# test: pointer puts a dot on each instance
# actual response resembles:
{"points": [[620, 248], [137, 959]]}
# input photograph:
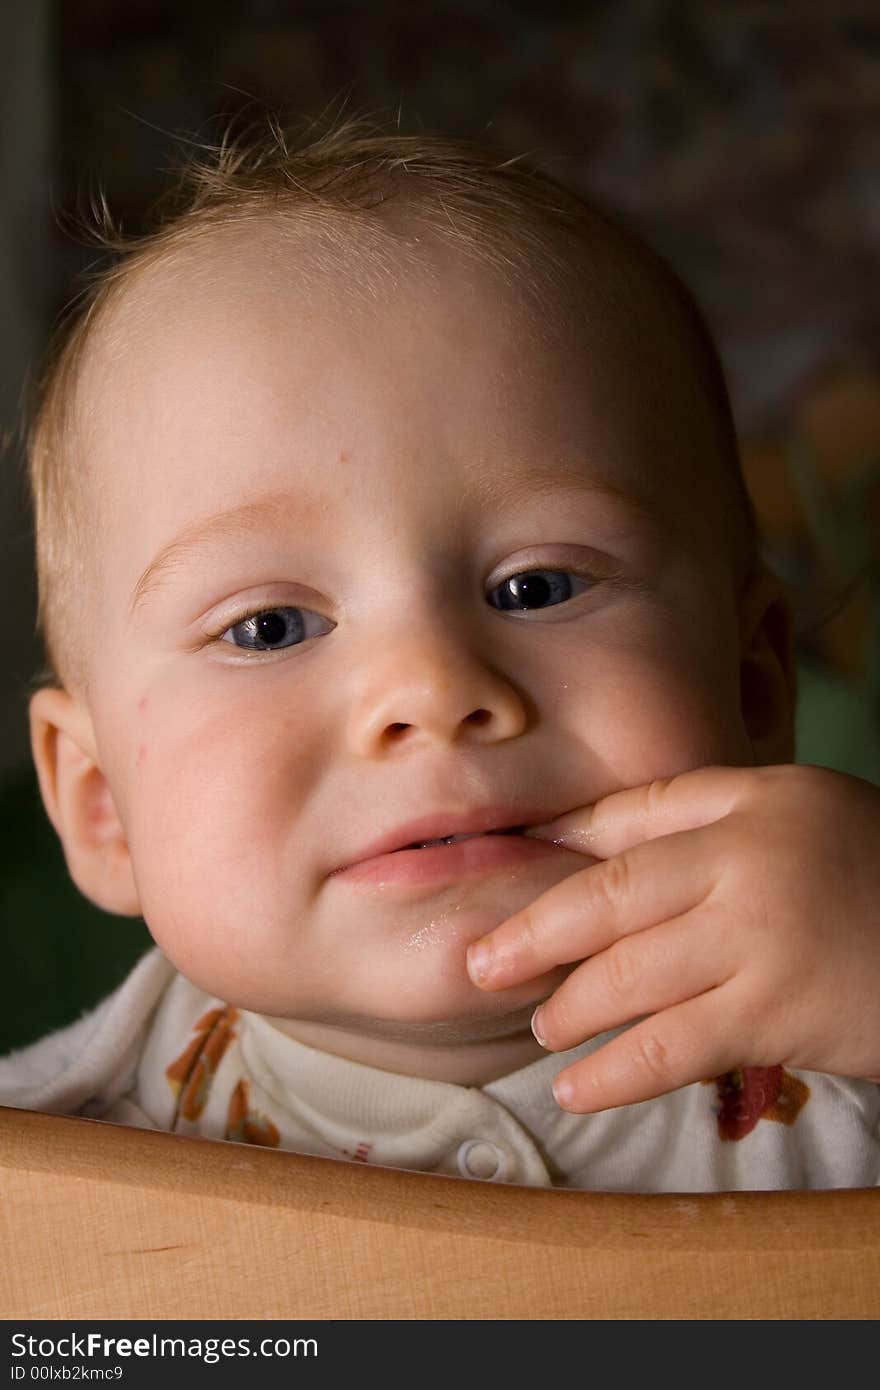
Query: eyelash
{"points": [[259, 610]]}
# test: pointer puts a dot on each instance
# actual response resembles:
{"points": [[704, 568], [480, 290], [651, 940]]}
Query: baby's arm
{"points": [[735, 914]]}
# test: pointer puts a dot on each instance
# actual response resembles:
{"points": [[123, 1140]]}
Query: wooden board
{"points": [[103, 1221]]}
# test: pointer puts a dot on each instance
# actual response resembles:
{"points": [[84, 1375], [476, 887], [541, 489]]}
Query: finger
{"points": [[587, 911], [657, 1055], [625, 818], [636, 976]]}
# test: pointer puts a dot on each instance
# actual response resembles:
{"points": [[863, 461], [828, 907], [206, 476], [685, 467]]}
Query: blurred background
{"points": [[741, 139]]}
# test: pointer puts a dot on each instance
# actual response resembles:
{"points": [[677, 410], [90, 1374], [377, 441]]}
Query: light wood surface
{"points": [[103, 1221]]}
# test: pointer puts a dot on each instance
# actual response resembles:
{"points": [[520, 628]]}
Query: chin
{"points": [[427, 1026], [456, 1002]]}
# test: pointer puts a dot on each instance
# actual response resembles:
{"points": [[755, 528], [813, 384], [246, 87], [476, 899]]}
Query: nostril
{"points": [[479, 716]]}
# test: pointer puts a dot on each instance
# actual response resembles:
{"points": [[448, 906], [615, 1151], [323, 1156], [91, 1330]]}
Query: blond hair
{"points": [[505, 212]]}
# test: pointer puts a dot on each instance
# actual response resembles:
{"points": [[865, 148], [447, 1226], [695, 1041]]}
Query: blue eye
{"points": [[272, 629], [536, 589]]}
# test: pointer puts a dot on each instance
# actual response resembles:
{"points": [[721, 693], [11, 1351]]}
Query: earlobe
{"points": [[79, 802], [768, 670]]}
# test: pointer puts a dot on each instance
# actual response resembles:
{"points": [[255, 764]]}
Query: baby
{"points": [[413, 672]]}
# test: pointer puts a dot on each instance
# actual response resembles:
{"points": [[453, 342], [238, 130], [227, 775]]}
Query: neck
{"points": [[470, 1062]]}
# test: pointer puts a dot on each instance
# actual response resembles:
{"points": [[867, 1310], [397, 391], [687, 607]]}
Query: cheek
{"points": [[241, 759], [213, 802], [654, 711]]}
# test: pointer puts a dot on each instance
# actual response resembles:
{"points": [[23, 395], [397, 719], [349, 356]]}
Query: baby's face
{"points": [[376, 478]]}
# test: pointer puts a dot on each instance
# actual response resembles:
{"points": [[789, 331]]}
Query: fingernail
{"points": [[537, 1027], [479, 959], [563, 1091]]}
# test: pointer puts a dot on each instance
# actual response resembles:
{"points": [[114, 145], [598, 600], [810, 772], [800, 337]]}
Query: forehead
{"points": [[272, 355]]}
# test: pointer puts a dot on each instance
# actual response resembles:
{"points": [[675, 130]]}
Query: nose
{"points": [[432, 686]]}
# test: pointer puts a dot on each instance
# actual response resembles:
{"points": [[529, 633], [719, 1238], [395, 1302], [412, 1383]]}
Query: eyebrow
{"points": [[559, 479], [274, 510]]}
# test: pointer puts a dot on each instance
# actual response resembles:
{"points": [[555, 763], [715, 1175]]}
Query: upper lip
{"points": [[439, 824]]}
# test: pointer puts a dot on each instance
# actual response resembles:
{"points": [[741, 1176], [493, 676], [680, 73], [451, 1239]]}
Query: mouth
{"points": [[425, 865], [457, 839], [449, 831]]}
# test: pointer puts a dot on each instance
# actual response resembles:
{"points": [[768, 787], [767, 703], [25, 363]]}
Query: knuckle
{"points": [[656, 794], [621, 971], [653, 1056], [800, 781], [806, 776], [748, 1020], [613, 881], [526, 947], [528, 933], [786, 785]]}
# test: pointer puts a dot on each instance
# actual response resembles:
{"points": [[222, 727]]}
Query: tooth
{"points": [[447, 840], [454, 839]]}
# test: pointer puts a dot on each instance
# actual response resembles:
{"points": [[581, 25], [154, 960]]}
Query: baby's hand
{"points": [[735, 913]]}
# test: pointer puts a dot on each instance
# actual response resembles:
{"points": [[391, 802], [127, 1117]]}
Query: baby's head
{"points": [[386, 492]]}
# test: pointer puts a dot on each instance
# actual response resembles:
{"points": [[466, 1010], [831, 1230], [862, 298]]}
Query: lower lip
{"points": [[465, 859]]}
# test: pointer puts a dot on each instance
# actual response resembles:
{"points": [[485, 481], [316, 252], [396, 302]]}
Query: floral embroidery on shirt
{"points": [[247, 1126], [750, 1094], [190, 1075]]}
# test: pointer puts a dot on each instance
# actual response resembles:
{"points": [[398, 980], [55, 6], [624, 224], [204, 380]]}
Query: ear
{"points": [[79, 802], [768, 669]]}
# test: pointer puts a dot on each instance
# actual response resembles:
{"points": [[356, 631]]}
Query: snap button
{"points": [[480, 1158]]}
